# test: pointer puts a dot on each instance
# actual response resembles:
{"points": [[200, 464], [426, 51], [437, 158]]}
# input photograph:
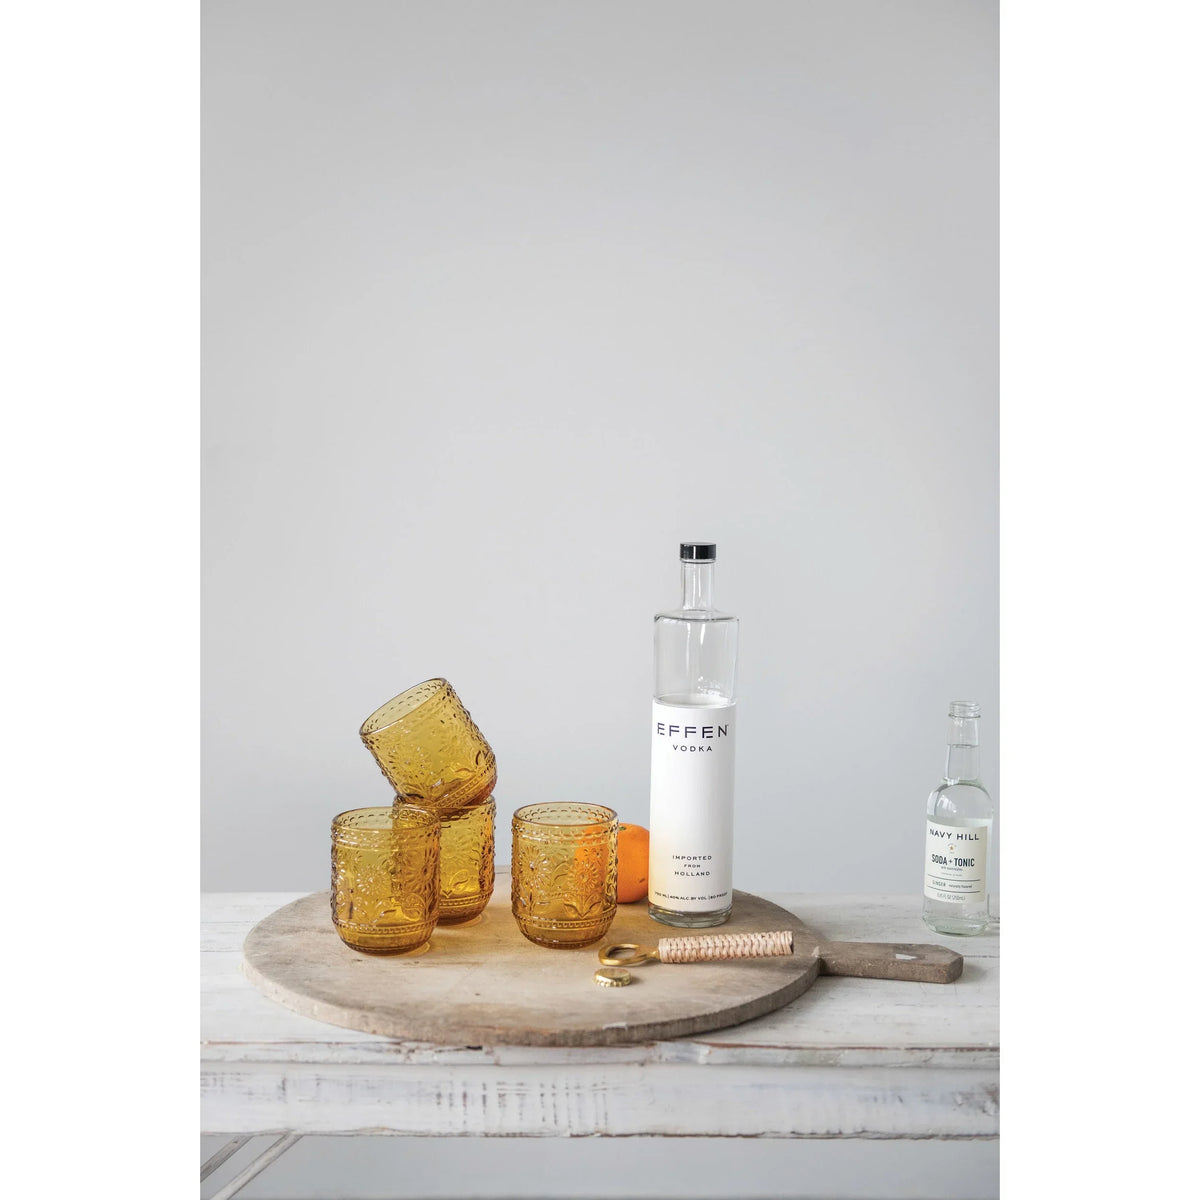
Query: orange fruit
{"points": [[633, 863]]}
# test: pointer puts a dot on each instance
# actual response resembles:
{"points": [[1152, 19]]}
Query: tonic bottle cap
{"points": [[613, 977], [698, 551]]}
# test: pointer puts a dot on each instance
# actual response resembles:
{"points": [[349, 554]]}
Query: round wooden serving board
{"points": [[485, 983]]}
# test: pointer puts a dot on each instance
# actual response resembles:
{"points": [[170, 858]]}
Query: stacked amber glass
{"points": [[438, 763], [429, 859]]}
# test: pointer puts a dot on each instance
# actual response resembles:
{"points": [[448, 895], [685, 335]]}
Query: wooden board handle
{"points": [[891, 960]]}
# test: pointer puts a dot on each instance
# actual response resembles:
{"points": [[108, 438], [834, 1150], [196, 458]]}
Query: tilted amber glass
{"points": [[468, 862], [430, 750], [385, 885], [564, 872]]}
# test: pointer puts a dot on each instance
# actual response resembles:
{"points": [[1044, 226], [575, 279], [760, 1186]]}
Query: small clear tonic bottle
{"points": [[958, 833], [692, 728]]}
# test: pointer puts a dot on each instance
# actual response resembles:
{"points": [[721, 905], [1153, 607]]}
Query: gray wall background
{"points": [[501, 302]]}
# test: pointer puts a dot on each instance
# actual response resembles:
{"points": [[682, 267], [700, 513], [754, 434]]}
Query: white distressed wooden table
{"points": [[851, 1058]]}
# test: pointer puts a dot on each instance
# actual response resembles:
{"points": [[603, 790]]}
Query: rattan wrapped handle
{"points": [[709, 947], [706, 947]]}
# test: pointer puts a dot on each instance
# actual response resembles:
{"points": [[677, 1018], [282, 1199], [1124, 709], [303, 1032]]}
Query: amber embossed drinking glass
{"points": [[430, 750], [468, 862], [564, 872], [385, 886]]}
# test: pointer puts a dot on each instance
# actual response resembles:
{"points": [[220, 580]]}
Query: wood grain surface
{"points": [[486, 983]]}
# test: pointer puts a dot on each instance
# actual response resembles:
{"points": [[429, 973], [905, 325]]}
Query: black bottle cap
{"points": [[698, 551]]}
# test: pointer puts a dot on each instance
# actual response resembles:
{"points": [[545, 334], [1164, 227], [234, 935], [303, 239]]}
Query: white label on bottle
{"points": [[691, 806], [956, 863]]}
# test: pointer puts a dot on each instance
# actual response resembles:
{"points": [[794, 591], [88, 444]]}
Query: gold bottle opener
{"points": [[707, 947]]}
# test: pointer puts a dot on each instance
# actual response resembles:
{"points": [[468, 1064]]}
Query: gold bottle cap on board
{"points": [[613, 977]]}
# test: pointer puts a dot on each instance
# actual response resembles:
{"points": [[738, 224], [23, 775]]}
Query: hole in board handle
{"points": [[906, 957]]}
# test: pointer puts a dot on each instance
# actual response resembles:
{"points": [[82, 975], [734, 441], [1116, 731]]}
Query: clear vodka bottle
{"points": [[693, 723], [958, 833]]}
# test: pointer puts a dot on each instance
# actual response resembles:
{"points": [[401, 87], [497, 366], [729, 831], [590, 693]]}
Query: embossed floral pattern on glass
{"points": [[385, 881], [564, 881], [430, 750], [468, 862]]}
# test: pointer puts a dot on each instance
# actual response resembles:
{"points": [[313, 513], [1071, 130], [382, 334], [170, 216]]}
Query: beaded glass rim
{"points": [[375, 820], [533, 816], [403, 705]]}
